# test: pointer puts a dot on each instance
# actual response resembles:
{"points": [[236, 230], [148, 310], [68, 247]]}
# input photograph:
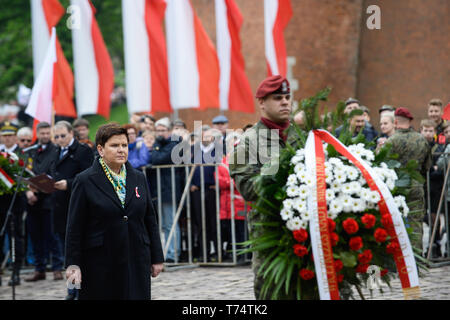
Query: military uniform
{"points": [[257, 153], [411, 145]]}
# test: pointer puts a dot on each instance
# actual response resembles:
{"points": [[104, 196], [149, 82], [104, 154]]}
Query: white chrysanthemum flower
{"points": [[365, 194], [302, 175], [328, 176], [335, 186], [293, 191], [328, 165], [362, 181], [368, 155], [347, 188], [346, 201], [357, 205], [374, 196], [383, 165], [330, 195], [304, 191], [309, 181], [335, 207], [390, 184], [286, 214], [399, 200], [336, 162], [288, 204], [332, 215], [405, 209], [299, 167], [294, 224], [340, 176], [300, 205], [292, 180], [352, 173], [300, 153], [305, 216], [355, 186], [296, 159]]}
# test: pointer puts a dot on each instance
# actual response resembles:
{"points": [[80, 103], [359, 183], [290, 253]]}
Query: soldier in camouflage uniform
{"points": [[261, 145], [411, 145]]}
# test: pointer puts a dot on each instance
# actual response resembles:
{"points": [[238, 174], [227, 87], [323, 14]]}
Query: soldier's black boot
{"points": [[15, 278]]}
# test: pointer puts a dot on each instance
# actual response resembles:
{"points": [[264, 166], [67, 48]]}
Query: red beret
{"points": [[403, 112], [273, 84]]}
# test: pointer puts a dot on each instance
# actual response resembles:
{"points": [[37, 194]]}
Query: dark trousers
{"points": [[210, 221], [39, 222], [226, 232]]}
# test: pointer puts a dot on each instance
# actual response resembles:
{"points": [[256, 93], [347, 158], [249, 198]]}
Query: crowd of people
{"points": [[64, 150]]}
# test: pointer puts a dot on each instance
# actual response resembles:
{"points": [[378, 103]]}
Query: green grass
{"points": [[118, 114]]}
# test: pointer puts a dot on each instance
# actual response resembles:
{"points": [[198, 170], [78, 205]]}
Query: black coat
{"points": [[162, 155], [42, 161], [78, 158], [113, 246]]}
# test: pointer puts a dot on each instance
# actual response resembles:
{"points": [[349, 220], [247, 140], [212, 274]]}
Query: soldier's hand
{"points": [[194, 188], [61, 185]]}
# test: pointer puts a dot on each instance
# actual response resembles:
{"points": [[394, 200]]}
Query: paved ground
{"points": [[217, 283]]}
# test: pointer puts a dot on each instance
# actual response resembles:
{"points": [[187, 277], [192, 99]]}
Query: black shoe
{"points": [[14, 280], [170, 261]]}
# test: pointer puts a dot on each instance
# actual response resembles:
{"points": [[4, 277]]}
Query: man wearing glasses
{"points": [[24, 137], [70, 158]]}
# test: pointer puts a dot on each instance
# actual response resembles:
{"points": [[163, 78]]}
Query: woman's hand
{"points": [[156, 269], [73, 275]]}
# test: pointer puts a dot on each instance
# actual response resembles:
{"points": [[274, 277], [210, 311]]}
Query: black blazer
{"points": [[113, 246], [78, 158]]}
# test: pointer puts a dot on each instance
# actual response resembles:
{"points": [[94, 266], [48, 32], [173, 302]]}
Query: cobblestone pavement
{"points": [[217, 283]]}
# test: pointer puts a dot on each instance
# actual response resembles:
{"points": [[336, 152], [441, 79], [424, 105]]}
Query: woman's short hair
{"points": [[106, 131], [130, 126]]}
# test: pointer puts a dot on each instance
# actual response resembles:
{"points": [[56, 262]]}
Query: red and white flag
{"points": [[193, 64], [42, 95], [277, 14], [94, 73], [147, 78], [234, 87], [45, 14]]}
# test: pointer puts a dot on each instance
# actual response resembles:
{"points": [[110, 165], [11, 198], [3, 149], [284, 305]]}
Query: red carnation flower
{"points": [[334, 239], [306, 274], [355, 243], [331, 225], [338, 265], [11, 161], [380, 235], [392, 247], [350, 226], [301, 235], [368, 220], [340, 278], [365, 257], [362, 268], [21, 163], [386, 220], [384, 272], [300, 250]]}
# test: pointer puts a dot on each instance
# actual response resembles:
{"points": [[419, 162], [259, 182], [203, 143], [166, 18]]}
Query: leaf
{"points": [[348, 259]]}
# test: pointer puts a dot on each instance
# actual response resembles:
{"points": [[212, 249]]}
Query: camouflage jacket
{"points": [[411, 145], [257, 153]]}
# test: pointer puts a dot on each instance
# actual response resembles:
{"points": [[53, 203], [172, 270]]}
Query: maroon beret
{"points": [[273, 84], [403, 112]]}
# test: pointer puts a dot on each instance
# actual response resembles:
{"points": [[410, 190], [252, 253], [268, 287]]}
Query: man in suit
{"points": [[69, 159], [39, 209]]}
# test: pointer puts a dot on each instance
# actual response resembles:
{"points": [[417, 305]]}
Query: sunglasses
{"points": [[60, 136], [25, 140]]}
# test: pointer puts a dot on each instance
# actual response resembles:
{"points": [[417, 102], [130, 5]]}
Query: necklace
{"points": [[117, 184]]}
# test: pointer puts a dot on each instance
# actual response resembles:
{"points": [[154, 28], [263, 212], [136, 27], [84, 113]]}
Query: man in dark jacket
{"points": [[207, 151], [39, 210], [70, 158], [162, 155]]}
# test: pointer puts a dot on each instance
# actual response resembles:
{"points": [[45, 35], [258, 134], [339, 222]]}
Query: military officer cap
{"points": [[273, 85], [350, 101], [386, 108], [8, 128], [220, 119], [403, 112]]}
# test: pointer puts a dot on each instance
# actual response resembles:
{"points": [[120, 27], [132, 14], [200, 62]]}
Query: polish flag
{"points": [[94, 73], [45, 15], [147, 77], [194, 70], [41, 99], [277, 14], [234, 87]]}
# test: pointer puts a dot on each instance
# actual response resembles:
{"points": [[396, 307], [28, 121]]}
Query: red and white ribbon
{"points": [[320, 241], [6, 179]]}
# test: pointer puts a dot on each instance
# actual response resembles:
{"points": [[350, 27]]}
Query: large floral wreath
{"points": [[11, 166], [357, 229]]}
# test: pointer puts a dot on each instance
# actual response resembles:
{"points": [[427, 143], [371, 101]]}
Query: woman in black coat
{"points": [[112, 242]]}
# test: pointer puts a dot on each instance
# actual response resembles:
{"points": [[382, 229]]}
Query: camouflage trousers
{"points": [[415, 217]]}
